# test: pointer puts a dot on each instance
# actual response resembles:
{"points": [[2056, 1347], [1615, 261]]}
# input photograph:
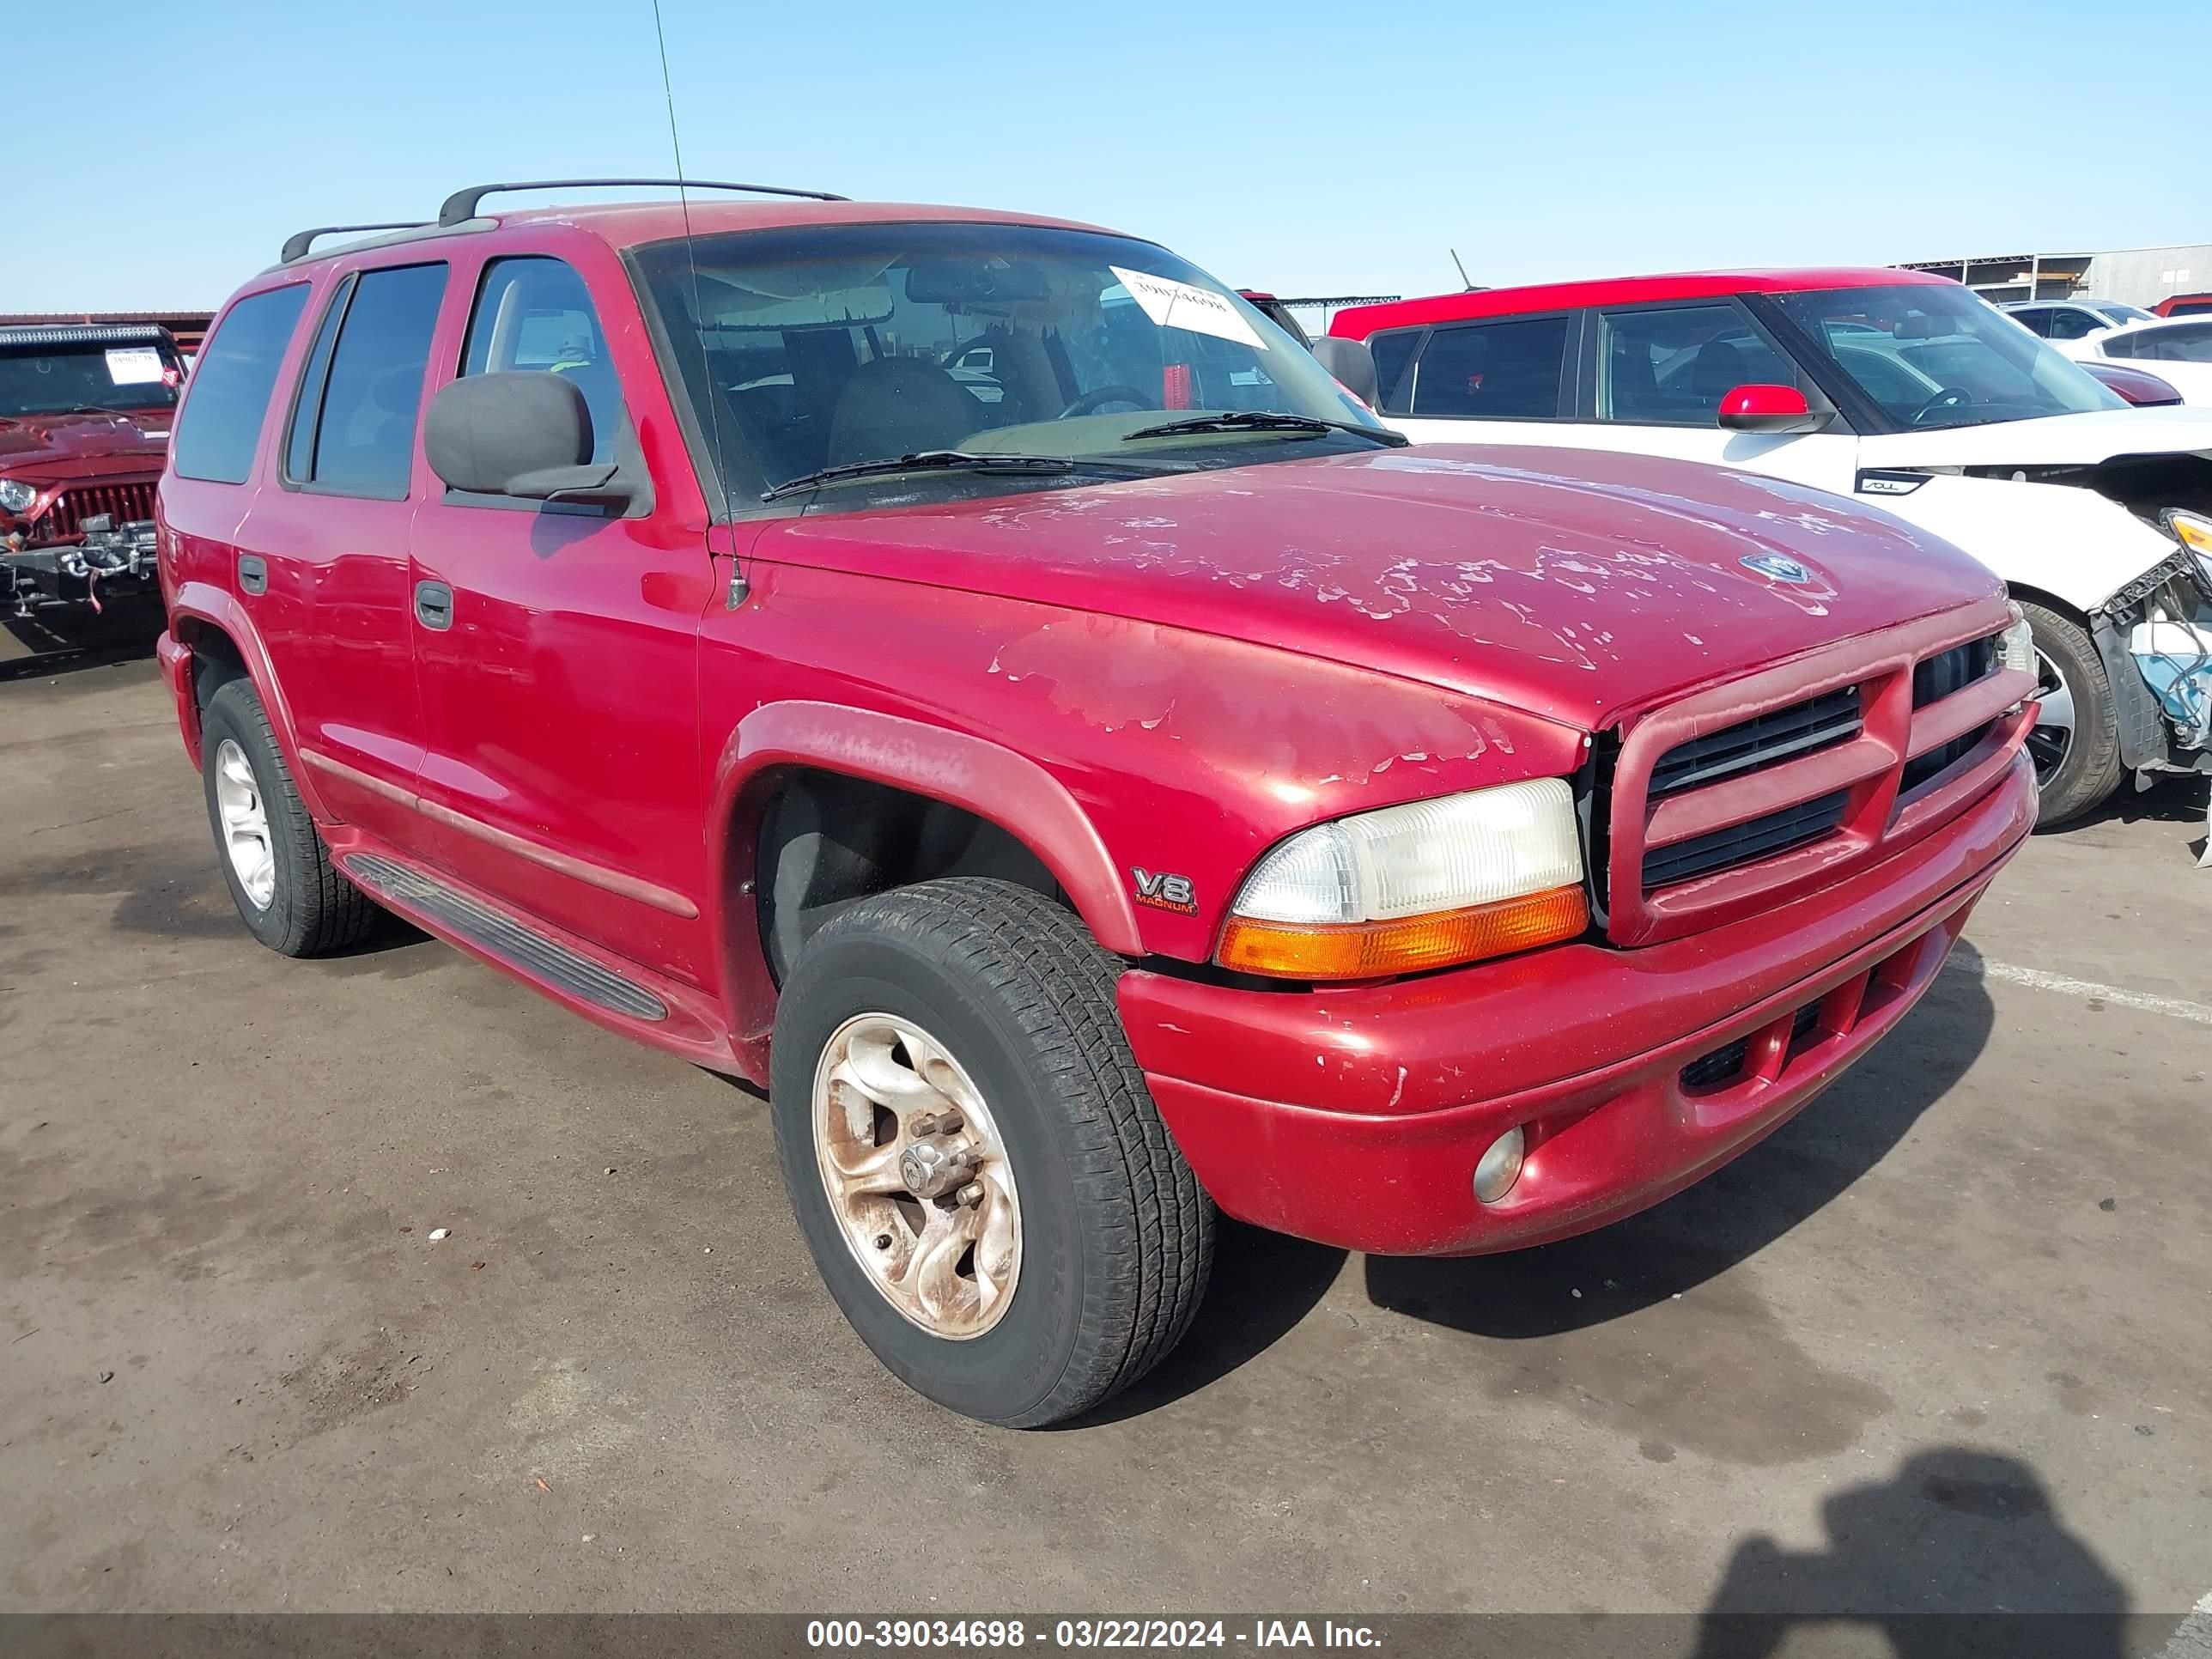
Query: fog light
{"points": [[1500, 1166]]}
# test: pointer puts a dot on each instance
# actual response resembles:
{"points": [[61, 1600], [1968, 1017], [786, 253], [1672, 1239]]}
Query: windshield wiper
{"points": [[1266, 420], [966, 460]]}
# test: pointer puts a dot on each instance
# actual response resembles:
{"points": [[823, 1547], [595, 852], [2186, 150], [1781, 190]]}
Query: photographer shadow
{"points": [[1960, 1554]]}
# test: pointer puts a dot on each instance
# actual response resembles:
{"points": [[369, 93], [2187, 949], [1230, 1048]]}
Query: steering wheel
{"points": [[1107, 394], [1950, 397]]}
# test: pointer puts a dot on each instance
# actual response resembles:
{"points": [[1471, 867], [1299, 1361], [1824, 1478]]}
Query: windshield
{"points": [[53, 379], [2117, 312], [831, 347], [1933, 355]]}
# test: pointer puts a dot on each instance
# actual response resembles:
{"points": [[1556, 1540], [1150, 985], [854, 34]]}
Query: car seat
{"points": [[894, 406]]}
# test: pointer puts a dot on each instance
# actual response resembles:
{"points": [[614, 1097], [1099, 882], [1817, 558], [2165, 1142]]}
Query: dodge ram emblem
{"points": [[1774, 565]]}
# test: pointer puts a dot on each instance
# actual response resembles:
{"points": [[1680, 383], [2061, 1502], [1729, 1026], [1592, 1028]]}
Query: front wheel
{"points": [[973, 1156], [2075, 743]]}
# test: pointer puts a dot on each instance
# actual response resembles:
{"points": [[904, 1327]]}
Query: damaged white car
{"points": [[1896, 388]]}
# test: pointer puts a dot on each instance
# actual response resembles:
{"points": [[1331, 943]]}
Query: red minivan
{"points": [[975, 676]]}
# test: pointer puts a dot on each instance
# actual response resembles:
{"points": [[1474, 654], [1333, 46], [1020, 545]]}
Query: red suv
{"points": [[975, 676]]}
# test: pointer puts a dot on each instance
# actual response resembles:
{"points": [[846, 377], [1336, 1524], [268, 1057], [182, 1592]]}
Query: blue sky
{"points": [[1309, 148]]}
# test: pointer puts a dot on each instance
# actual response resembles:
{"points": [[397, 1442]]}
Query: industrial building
{"points": [[2134, 276]]}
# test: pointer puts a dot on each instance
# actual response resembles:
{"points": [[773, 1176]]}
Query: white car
{"points": [[2071, 325], [1894, 388], [2178, 352]]}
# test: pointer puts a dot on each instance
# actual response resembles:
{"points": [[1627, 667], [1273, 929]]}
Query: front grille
{"points": [[125, 503], [1953, 670], [1941, 758], [1740, 843], [1798, 730], [1707, 808]]}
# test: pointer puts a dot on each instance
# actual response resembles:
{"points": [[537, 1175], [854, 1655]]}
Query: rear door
{"points": [[324, 564], [557, 649]]}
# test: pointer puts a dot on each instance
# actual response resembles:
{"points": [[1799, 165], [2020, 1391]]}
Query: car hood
{"points": [[47, 445], [2054, 440], [1575, 585]]}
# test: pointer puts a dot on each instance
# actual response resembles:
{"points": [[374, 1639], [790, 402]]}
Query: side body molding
{"points": [[989, 780]]}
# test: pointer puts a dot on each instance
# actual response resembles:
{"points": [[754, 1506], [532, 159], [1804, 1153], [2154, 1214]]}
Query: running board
{"points": [[530, 952]]}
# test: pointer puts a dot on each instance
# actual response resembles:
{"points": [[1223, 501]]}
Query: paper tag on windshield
{"points": [[134, 366], [1178, 305]]}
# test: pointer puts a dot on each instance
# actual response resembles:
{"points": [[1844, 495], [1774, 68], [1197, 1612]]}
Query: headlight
{"points": [[2016, 645], [16, 496], [2194, 532], [1423, 886]]}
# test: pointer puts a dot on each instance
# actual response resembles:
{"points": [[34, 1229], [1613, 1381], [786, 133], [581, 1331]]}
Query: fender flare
{"points": [[985, 778], [203, 602]]}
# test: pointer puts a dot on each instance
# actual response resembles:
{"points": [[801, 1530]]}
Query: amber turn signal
{"points": [[1375, 950]]}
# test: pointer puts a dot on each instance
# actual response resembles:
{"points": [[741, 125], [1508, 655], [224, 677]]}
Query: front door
{"points": [[1652, 385], [557, 647]]}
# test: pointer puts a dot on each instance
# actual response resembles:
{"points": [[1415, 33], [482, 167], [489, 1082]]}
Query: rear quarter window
{"points": [[219, 429], [1507, 370]]}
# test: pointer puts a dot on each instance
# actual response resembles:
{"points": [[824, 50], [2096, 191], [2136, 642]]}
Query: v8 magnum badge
{"points": [[1163, 891]]}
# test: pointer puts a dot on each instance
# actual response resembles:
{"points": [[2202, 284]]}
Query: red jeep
{"points": [[975, 676], [84, 420]]}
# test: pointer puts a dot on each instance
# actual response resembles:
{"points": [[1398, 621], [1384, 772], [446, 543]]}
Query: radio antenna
{"points": [[1453, 251], [691, 254]]}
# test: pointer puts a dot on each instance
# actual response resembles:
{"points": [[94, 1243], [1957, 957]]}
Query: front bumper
{"points": [[106, 563], [1356, 1116]]}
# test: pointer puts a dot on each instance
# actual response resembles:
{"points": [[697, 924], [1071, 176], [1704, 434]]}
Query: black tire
{"points": [[1117, 1237], [314, 910], [2090, 768]]}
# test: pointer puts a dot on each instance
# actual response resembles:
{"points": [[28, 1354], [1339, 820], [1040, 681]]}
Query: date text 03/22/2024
{"points": [[890, 1635]]}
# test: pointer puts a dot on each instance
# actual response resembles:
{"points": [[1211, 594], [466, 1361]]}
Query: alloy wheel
{"points": [[917, 1175]]}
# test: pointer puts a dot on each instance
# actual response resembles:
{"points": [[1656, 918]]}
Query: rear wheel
{"points": [[973, 1156], [289, 893], [2075, 743]]}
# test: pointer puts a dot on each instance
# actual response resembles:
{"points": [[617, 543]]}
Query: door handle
{"points": [[433, 605], [252, 574]]}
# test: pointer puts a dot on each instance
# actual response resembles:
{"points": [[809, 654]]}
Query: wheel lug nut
{"points": [[972, 1194], [925, 1124], [951, 1122]]}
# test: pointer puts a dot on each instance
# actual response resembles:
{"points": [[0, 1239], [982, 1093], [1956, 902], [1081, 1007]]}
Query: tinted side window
{"points": [[2190, 342], [536, 313], [219, 426], [2035, 322], [1671, 365], [1393, 352], [1507, 371], [372, 395], [2072, 324]]}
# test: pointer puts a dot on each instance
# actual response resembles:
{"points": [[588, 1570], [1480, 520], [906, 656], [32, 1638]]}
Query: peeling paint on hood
{"points": [[1572, 584]]}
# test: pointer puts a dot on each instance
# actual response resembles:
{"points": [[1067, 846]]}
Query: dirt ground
{"points": [[1941, 1344]]}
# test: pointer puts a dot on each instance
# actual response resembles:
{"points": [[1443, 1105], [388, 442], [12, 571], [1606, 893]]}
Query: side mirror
{"points": [[1771, 409], [1352, 365], [525, 434]]}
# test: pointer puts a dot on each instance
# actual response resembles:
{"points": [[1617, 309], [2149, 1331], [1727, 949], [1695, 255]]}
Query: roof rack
{"points": [[461, 206], [297, 244]]}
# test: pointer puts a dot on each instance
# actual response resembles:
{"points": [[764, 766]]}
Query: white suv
{"points": [[1902, 390]]}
